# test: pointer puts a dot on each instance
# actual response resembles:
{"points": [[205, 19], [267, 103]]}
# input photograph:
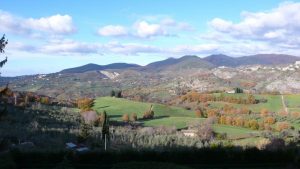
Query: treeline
{"points": [[198, 97], [244, 117], [117, 94]]}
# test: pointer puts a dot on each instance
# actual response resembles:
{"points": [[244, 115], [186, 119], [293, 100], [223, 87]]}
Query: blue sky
{"points": [[50, 35]]}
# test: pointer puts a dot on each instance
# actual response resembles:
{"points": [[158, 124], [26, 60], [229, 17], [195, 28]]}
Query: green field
{"points": [[274, 103], [234, 131], [292, 101], [116, 107], [179, 122], [164, 115]]}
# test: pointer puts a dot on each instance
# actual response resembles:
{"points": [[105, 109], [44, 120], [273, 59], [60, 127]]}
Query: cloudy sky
{"points": [[50, 35]]}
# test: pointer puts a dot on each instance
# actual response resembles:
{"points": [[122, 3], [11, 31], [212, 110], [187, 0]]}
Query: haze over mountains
{"points": [[192, 61]]}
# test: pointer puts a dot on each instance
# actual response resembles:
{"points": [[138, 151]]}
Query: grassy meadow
{"points": [[164, 115]]}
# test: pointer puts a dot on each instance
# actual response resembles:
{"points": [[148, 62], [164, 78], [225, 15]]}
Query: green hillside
{"points": [[164, 115]]}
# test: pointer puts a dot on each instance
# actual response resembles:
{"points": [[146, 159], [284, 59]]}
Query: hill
{"points": [[267, 59], [259, 59], [185, 62], [93, 67], [222, 60]]}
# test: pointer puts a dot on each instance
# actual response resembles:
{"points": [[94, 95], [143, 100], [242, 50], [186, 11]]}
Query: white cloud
{"points": [[56, 24], [112, 30], [278, 25], [146, 30], [148, 27]]}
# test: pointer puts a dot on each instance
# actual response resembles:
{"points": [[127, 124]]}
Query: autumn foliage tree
{"points": [[199, 113], [125, 117], [133, 117], [280, 126], [85, 104], [270, 120], [149, 114], [264, 112]]}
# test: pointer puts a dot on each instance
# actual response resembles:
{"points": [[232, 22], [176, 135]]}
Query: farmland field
{"points": [[116, 107], [164, 115], [274, 103], [292, 102]]}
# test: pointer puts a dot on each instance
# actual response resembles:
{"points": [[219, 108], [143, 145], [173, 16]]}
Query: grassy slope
{"points": [[293, 101], [234, 131], [165, 115], [117, 107], [274, 103]]}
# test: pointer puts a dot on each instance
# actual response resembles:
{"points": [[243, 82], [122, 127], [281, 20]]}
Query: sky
{"points": [[50, 35]]}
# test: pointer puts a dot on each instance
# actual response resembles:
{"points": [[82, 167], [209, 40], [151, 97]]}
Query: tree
{"points": [[253, 124], [270, 120], [3, 43], [112, 93], [199, 113], [149, 114], [125, 118], [105, 125], [264, 112], [119, 94], [105, 128], [280, 126], [133, 117], [251, 99], [85, 130], [85, 104], [238, 90]]}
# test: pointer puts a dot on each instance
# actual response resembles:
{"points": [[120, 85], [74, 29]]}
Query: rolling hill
{"points": [[259, 59], [185, 62], [192, 61], [95, 67]]}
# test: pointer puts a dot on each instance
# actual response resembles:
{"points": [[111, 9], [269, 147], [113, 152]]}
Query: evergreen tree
{"points": [[105, 125], [85, 130], [119, 94], [112, 93], [3, 43]]}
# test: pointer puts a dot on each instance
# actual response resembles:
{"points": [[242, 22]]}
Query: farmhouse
{"points": [[230, 91], [189, 133]]}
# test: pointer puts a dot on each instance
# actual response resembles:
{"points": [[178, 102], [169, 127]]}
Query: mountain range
{"points": [[192, 61]]}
